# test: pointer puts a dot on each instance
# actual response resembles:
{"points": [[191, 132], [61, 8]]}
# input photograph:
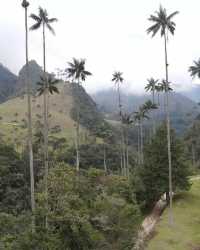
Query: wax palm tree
{"points": [[118, 79], [194, 72], [43, 21], [163, 23], [127, 121], [151, 86], [139, 117], [149, 105], [76, 71], [195, 69], [25, 5], [50, 87]]}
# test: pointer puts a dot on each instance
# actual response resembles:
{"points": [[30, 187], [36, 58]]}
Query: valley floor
{"points": [[185, 233]]}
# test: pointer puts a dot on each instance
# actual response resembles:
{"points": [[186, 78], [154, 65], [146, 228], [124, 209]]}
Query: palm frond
{"points": [[35, 26], [50, 29], [52, 20], [35, 17]]}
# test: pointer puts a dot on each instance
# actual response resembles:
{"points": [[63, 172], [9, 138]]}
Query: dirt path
{"points": [[149, 224]]}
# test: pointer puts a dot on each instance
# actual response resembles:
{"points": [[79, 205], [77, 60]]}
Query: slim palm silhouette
{"points": [[77, 73], [163, 23], [118, 79], [139, 117], [25, 5]]}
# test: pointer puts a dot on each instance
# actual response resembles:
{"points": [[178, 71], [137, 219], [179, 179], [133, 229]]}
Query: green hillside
{"points": [[13, 114]]}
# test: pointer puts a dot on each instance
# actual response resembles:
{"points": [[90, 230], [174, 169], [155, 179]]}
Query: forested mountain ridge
{"points": [[182, 109], [35, 72], [8, 82]]}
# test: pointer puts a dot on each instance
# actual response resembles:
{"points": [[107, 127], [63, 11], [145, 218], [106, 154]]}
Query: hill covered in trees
{"points": [[182, 109], [8, 82]]}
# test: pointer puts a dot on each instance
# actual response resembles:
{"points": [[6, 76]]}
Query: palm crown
{"points": [[162, 22], [126, 119], [25, 4], [117, 77], [141, 114], [195, 69], [149, 105], [47, 83], [76, 70], [165, 86], [42, 19], [151, 86]]}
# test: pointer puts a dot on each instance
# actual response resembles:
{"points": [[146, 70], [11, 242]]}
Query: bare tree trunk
{"points": [[123, 163], [124, 151], [104, 158], [127, 154], [139, 148], [46, 155], [193, 155], [77, 131], [153, 113], [141, 142], [168, 136], [30, 136]]}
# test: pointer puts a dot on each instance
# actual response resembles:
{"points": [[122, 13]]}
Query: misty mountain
{"points": [[8, 82], [35, 71], [12, 85], [193, 93], [182, 109]]}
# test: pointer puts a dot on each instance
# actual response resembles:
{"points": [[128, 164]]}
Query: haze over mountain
{"points": [[8, 82], [183, 110]]}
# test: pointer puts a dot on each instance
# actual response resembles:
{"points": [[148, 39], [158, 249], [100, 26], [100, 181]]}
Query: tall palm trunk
{"points": [[30, 136], [104, 158], [193, 155], [141, 143], [127, 154], [139, 148], [77, 131], [153, 113], [123, 163], [46, 155], [124, 150], [168, 134]]}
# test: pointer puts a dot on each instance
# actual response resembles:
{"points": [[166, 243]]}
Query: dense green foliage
{"points": [[154, 175], [13, 181], [86, 211]]}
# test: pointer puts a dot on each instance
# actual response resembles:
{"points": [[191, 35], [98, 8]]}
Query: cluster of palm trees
{"points": [[164, 24], [77, 74]]}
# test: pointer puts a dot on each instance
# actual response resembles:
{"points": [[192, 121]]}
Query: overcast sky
{"points": [[109, 34]]}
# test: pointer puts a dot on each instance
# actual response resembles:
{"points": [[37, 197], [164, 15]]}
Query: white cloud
{"points": [[110, 34]]}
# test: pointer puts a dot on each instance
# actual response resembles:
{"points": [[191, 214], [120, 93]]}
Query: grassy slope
{"points": [[185, 234], [60, 107]]}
